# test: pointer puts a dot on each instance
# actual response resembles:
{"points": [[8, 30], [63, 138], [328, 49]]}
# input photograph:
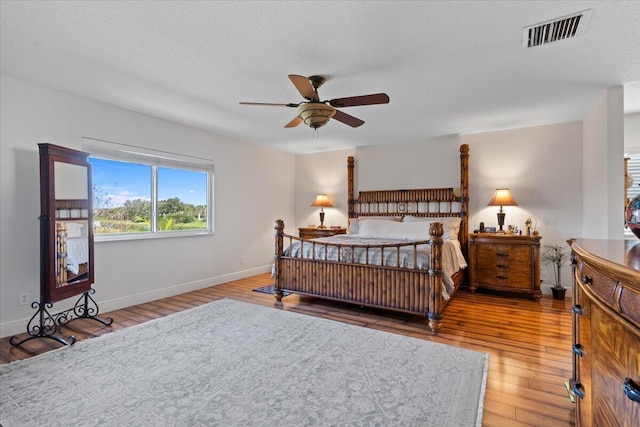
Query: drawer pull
{"points": [[503, 255], [502, 277], [577, 309], [587, 280], [577, 350], [631, 389], [577, 390], [502, 266]]}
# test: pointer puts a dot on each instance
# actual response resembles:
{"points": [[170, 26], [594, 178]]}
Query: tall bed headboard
{"points": [[423, 202]]}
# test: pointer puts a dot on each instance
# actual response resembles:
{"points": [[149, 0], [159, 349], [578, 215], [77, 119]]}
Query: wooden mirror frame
{"points": [[56, 214], [54, 285]]}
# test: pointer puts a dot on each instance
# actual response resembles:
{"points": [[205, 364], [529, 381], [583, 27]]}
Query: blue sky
{"points": [[121, 181]]}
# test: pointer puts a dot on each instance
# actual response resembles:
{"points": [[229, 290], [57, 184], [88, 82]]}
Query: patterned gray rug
{"points": [[230, 363]]}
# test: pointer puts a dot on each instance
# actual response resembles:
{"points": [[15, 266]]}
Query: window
{"points": [[633, 169], [141, 193]]}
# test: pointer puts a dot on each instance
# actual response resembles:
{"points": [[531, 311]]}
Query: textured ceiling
{"points": [[448, 67]]}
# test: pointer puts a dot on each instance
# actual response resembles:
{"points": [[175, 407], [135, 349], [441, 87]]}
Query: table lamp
{"points": [[323, 202], [502, 197]]}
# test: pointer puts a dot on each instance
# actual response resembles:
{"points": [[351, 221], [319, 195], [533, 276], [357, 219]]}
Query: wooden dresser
{"points": [[505, 262], [606, 332]]}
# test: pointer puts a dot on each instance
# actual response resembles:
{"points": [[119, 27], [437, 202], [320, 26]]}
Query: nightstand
{"points": [[314, 233], [505, 262]]}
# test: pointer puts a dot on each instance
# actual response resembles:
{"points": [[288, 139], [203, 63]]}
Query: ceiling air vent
{"points": [[563, 28]]}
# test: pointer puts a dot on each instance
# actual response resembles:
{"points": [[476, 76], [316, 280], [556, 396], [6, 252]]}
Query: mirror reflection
{"points": [[71, 194], [72, 252]]}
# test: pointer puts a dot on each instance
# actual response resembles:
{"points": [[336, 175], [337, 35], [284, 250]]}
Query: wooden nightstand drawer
{"points": [[314, 233], [505, 262]]}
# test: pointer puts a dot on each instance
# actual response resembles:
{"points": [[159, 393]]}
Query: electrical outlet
{"points": [[24, 299], [241, 260]]}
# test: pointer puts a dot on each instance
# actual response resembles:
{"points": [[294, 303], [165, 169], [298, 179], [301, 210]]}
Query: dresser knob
{"points": [[577, 309], [587, 280], [578, 390], [631, 389], [577, 350], [502, 277]]}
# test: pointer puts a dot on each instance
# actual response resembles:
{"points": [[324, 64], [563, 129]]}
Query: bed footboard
{"points": [[411, 290]]}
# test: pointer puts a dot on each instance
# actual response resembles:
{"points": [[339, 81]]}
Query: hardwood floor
{"points": [[529, 342]]}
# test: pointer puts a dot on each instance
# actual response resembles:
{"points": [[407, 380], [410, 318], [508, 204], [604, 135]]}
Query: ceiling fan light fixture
{"points": [[315, 114]]}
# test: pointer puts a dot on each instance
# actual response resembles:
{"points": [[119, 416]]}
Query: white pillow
{"points": [[74, 229], [451, 224], [354, 223], [394, 230]]}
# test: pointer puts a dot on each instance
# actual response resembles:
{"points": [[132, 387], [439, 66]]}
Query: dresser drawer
{"points": [[615, 356], [501, 265], [597, 282], [616, 294]]}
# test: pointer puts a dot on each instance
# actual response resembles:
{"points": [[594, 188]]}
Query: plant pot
{"points": [[558, 293]]}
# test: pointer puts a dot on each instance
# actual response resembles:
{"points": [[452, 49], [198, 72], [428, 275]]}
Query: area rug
{"points": [[270, 289], [230, 363]]}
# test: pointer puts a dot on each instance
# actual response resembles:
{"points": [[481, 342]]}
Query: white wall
{"points": [[380, 167], [558, 174], [603, 164], [321, 173], [541, 165], [632, 131], [253, 186], [409, 165]]}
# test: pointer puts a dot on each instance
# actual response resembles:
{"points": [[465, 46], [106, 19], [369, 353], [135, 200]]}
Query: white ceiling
{"points": [[448, 67]]}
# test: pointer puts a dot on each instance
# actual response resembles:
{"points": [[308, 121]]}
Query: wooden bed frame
{"points": [[410, 290]]}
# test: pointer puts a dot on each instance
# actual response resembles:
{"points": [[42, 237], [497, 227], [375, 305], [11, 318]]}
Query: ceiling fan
{"points": [[315, 113]]}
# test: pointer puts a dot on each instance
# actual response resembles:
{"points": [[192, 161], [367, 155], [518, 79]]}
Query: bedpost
{"points": [[279, 227], [436, 282], [464, 189], [350, 186], [61, 251]]}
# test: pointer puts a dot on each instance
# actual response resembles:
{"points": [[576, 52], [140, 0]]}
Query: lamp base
{"points": [[501, 216], [322, 220]]}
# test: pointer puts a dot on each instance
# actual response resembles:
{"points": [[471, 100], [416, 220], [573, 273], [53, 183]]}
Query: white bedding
{"points": [[452, 258], [77, 253]]}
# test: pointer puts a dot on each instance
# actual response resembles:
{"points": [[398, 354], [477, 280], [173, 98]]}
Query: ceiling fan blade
{"points": [[352, 101], [293, 123], [303, 84], [269, 104], [347, 119]]}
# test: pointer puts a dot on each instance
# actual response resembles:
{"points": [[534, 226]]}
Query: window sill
{"points": [[145, 236]]}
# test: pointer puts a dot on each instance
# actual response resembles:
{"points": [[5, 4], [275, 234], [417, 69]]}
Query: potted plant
{"points": [[558, 256]]}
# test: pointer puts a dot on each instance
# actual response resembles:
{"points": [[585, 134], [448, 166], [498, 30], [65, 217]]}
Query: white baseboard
{"points": [[19, 326]]}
